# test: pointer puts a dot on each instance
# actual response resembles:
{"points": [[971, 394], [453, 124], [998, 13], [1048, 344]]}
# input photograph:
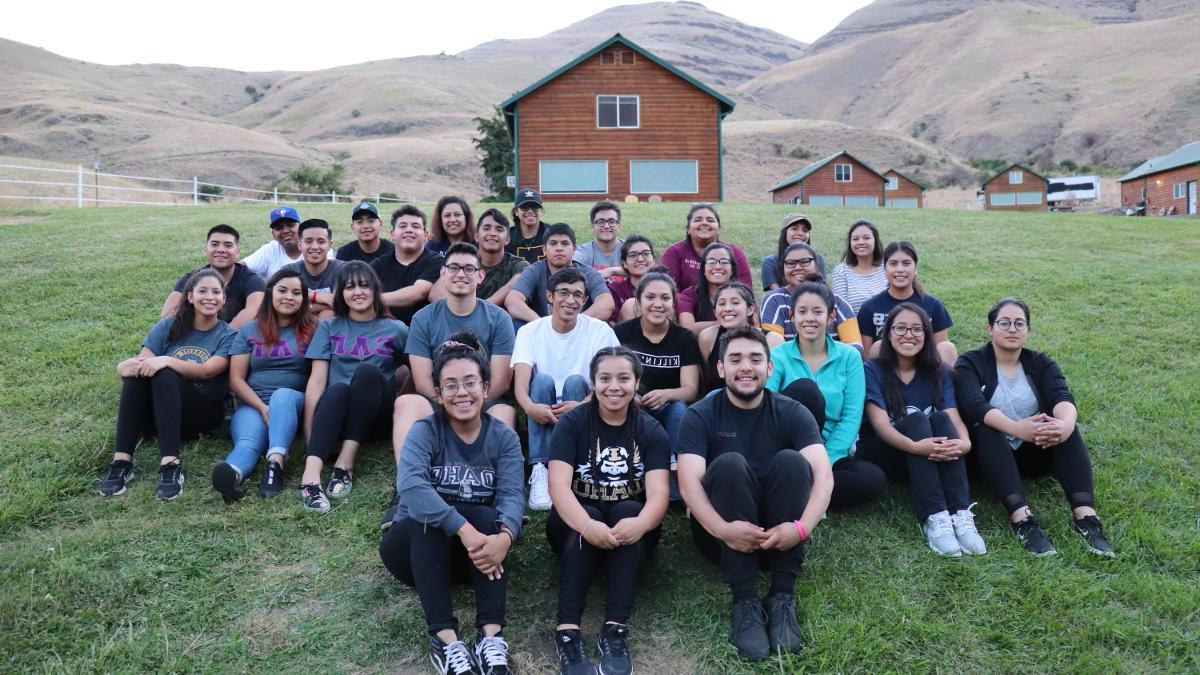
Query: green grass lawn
{"points": [[133, 584]]}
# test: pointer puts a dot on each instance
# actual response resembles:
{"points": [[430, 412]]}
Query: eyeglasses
{"points": [[455, 268], [469, 386], [899, 330], [798, 262], [638, 255], [564, 294], [723, 262], [1006, 324], [606, 222]]}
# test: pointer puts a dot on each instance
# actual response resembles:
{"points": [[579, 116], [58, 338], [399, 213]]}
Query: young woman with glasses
{"points": [[797, 265], [696, 303], [637, 258]]}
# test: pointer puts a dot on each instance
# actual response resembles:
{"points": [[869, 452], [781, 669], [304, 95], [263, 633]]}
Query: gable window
{"points": [[1180, 191], [842, 173], [1015, 177], [627, 58], [608, 58], [617, 112], [893, 183]]}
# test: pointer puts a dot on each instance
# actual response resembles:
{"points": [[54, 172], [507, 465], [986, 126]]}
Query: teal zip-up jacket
{"points": [[842, 382]]}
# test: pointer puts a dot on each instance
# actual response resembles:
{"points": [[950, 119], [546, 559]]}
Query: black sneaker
{"points": [[1029, 531], [170, 481], [450, 658], [491, 653], [120, 472], [341, 482], [270, 483], [614, 650], [225, 479], [1092, 532], [749, 630], [389, 515], [314, 498], [571, 659], [783, 630]]}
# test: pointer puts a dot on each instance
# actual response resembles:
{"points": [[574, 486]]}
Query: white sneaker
{"points": [[964, 530], [539, 488], [939, 532]]}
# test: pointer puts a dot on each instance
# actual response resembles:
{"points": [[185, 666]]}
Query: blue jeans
{"points": [[541, 390], [252, 437], [669, 416]]}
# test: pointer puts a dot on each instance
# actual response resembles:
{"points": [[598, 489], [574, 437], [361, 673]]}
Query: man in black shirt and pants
{"points": [[754, 473]]}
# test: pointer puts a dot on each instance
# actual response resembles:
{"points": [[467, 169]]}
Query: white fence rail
{"points": [[88, 186]]}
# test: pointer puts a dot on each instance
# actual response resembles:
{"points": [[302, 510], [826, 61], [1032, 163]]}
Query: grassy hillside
{"points": [[131, 584]]}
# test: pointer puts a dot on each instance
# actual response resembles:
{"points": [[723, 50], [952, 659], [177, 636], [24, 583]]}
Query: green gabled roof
{"points": [[1188, 154], [1018, 166], [725, 104], [811, 168], [885, 173]]}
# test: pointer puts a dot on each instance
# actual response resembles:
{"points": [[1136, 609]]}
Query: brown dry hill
{"points": [[1007, 81]]}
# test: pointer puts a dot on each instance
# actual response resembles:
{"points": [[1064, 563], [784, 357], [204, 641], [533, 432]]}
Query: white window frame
{"points": [[637, 101], [1026, 198], [849, 169], [1002, 199], [1016, 177], [893, 183], [573, 192], [1179, 191]]}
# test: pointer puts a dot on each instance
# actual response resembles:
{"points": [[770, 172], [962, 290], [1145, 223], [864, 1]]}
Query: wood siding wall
{"points": [[1160, 189], [1029, 183], [906, 189], [863, 183], [786, 194], [676, 121]]}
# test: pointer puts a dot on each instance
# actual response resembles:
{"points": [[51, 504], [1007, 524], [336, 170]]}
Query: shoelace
{"points": [[793, 625], [756, 616], [457, 657], [614, 642], [965, 519], [311, 491], [272, 473], [170, 472], [939, 525], [569, 650], [493, 650], [115, 471]]}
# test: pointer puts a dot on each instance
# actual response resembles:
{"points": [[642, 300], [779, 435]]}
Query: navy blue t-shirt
{"points": [[873, 312], [918, 394]]}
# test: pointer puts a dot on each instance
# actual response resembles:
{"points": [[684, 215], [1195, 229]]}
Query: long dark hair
{"points": [[876, 256], [905, 247], [185, 311], [813, 283], [927, 362], [704, 302], [438, 233], [747, 297], [632, 427], [302, 324], [649, 278], [358, 272]]}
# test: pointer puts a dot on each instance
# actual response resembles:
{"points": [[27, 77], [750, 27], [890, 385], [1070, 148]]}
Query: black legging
{"points": [[779, 496], [935, 486], [353, 411], [429, 560], [580, 560], [165, 405], [1002, 467], [855, 481]]}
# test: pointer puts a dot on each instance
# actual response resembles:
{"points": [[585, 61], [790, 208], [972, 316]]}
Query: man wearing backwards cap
{"points": [[367, 245], [284, 248], [529, 232], [795, 228]]}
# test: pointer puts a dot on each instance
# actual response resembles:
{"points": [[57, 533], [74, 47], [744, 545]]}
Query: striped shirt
{"points": [[856, 288]]}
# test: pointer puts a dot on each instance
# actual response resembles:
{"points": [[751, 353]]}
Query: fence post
{"points": [[332, 197], [195, 190], [79, 187], [275, 196], [378, 198]]}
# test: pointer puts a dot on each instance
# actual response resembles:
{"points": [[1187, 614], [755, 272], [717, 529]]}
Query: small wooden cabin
{"points": [[902, 192], [1016, 188], [836, 180], [1166, 185], [618, 122]]}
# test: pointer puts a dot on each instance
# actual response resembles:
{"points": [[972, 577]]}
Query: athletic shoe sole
{"points": [[176, 495], [225, 480], [1090, 549], [120, 492]]}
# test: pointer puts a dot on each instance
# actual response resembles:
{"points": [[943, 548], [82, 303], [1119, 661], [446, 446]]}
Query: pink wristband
{"points": [[800, 530]]}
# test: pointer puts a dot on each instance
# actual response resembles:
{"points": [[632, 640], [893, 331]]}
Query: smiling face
{"points": [[614, 383], [408, 234], [286, 232], [365, 227], [718, 267], [461, 274], [731, 309], [221, 251], [208, 297], [797, 265], [639, 259], [796, 232], [703, 228], [491, 236], [605, 225], [559, 251], [287, 296], [359, 296], [862, 242], [315, 244], [901, 271], [530, 214], [907, 334], [567, 300], [461, 390], [657, 303], [1010, 330], [745, 368], [454, 221], [810, 316]]}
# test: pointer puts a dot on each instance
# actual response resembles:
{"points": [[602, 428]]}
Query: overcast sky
{"points": [[309, 35]]}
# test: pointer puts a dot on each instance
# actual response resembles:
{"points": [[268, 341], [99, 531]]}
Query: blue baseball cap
{"points": [[284, 213], [364, 206]]}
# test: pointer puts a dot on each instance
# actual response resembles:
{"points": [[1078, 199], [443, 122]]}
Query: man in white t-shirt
{"points": [[550, 368], [284, 247]]}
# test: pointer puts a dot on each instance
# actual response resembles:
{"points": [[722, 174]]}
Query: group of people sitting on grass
{"points": [[641, 380]]}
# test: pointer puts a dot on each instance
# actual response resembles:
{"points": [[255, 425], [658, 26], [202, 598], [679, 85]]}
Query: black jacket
{"points": [[975, 382]]}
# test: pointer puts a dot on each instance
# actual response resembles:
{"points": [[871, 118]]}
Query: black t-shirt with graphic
{"points": [[661, 361], [612, 468], [532, 249]]}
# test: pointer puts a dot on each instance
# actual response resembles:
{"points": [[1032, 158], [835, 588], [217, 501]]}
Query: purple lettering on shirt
{"points": [[258, 347], [339, 344], [384, 346], [360, 348], [281, 350]]}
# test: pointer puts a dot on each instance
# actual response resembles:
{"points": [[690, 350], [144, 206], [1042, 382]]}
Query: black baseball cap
{"points": [[526, 195], [364, 206]]}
